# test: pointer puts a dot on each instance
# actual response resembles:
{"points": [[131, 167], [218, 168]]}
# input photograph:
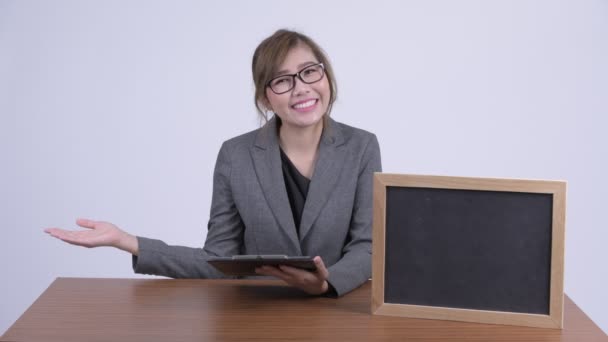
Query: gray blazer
{"points": [[250, 212]]}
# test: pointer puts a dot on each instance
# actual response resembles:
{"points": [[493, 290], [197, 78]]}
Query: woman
{"points": [[300, 185]]}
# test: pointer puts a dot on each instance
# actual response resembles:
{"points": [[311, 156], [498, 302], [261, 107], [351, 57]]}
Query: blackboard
{"points": [[473, 249]]}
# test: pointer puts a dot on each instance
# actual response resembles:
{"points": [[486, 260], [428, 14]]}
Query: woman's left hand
{"points": [[314, 283]]}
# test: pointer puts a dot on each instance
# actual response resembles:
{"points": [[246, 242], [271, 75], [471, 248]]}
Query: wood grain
{"points": [[74, 309]]}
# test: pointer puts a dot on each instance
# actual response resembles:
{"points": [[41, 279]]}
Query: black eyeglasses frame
{"points": [[298, 75]]}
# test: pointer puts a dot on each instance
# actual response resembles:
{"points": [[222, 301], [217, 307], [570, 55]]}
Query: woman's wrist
{"points": [[129, 244], [324, 287]]}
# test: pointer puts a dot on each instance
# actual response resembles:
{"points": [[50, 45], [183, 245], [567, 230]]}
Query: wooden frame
{"points": [[556, 292]]}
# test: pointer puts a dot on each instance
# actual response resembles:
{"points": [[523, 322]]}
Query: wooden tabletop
{"points": [[75, 309]]}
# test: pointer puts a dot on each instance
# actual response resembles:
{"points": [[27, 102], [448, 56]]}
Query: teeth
{"points": [[305, 104]]}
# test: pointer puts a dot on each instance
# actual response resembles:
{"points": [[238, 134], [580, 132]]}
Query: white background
{"points": [[116, 110]]}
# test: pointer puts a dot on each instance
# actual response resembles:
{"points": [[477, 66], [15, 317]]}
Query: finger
{"points": [[294, 271], [321, 269], [274, 272], [311, 282], [71, 237], [86, 223], [260, 271], [55, 232], [266, 270]]}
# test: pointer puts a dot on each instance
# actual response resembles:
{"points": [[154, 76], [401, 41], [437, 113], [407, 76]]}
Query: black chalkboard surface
{"points": [[484, 250], [473, 249]]}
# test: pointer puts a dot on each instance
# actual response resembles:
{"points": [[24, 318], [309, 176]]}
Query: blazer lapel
{"points": [[326, 174], [267, 162]]}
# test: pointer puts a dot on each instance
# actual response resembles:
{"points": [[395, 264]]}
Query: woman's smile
{"points": [[305, 105]]}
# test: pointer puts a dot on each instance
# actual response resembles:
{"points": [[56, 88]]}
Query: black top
{"points": [[297, 188]]}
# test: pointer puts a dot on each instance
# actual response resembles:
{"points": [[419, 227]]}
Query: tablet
{"points": [[244, 265]]}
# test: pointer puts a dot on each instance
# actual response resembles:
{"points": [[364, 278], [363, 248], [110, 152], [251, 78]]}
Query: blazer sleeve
{"points": [[354, 268], [224, 236]]}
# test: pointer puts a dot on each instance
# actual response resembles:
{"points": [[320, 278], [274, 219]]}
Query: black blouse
{"points": [[297, 188]]}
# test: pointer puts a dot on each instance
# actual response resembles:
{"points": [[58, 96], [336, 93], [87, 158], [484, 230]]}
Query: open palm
{"points": [[98, 234]]}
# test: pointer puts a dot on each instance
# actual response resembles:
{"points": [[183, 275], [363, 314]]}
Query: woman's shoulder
{"points": [[259, 137], [361, 144], [243, 140], [351, 134]]}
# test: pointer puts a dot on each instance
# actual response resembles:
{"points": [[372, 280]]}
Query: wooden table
{"points": [[74, 309]]}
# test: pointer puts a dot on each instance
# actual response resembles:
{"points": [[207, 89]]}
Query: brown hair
{"points": [[271, 52]]}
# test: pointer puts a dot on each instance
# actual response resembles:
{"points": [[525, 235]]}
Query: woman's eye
{"points": [[279, 81]]}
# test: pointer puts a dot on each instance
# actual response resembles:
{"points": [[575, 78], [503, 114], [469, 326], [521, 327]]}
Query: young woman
{"points": [[299, 185]]}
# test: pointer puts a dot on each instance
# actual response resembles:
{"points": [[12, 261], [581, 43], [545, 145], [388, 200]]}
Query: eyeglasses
{"points": [[284, 83]]}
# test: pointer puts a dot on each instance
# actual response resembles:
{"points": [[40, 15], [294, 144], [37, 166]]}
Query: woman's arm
{"points": [[150, 256], [354, 268], [99, 233], [224, 236]]}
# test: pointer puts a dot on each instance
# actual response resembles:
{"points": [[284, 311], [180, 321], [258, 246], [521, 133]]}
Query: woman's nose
{"points": [[300, 87]]}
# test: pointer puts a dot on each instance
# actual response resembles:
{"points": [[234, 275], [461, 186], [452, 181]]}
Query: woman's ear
{"points": [[266, 104]]}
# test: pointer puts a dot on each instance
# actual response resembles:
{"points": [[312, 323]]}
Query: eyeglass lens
{"points": [[310, 74]]}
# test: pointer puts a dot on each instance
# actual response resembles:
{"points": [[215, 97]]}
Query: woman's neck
{"points": [[300, 140], [301, 146]]}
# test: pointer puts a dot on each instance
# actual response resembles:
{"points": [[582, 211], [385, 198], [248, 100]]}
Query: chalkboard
{"points": [[471, 249]]}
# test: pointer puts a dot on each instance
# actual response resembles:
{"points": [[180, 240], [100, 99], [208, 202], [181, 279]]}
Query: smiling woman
{"points": [[301, 185], [307, 102]]}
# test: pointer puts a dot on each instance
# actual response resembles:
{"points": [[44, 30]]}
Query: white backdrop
{"points": [[116, 110]]}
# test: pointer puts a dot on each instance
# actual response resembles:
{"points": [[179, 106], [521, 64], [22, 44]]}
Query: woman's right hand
{"points": [[98, 234]]}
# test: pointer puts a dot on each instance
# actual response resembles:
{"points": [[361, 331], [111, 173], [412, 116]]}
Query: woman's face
{"points": [[305, 104]]}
